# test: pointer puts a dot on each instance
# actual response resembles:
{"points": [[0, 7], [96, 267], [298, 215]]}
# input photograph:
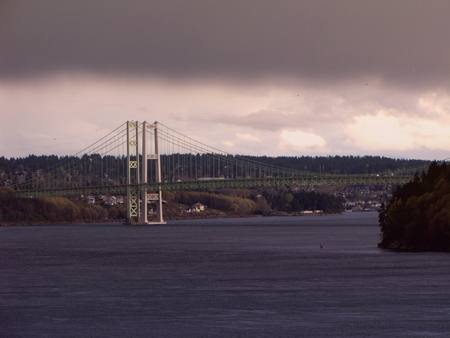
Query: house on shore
{"points": [[197, 207]]}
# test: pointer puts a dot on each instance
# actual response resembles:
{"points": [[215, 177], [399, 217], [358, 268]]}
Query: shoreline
{"points": [[400, 246], [167, 218]]}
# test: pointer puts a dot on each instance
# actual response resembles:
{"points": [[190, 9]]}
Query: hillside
{"points": [[418, 216]]}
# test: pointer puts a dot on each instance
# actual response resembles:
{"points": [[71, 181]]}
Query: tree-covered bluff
{"points": [[265, 202], [51, 209], [418, 215], [219, 203]]}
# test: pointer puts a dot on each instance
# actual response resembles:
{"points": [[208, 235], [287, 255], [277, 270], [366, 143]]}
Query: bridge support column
{"points": [[144, 172], [159, 208], [145, 196], [132, 172]]}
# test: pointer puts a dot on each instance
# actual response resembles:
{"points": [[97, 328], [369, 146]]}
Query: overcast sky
{"points": [[276, 78]]}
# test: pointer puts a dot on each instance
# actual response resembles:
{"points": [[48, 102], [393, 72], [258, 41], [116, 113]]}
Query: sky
{"points": [[254, 77]]}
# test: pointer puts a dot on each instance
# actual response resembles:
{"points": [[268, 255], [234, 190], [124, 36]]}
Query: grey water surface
{"points": [[245, 277]]}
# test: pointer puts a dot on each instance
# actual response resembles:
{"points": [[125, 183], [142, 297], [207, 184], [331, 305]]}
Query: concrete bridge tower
{"points": [[137, 194]]}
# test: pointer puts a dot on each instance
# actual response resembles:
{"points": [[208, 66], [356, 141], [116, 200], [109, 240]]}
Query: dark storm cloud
{"points": [[227, 39]]}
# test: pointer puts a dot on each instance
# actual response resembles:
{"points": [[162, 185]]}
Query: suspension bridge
{"points": [[141, 160]]}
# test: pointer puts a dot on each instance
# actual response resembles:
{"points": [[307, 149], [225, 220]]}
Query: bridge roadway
{"points": [[222, 183]]}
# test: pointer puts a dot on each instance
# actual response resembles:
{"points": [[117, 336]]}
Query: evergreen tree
{"points": [[418, 216]]}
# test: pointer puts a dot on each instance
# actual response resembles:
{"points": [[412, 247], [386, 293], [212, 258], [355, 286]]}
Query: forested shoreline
{"points": [[218, 203], [418, 216], [51, 210]]}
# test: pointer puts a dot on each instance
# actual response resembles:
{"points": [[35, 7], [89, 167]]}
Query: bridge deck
{"points": [[223, 183]]}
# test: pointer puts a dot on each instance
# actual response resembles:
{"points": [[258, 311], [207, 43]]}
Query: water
{"points": [[257, 277]]}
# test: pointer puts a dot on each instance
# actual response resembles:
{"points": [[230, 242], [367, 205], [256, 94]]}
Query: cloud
{"points": [[300, 140], [228, 144], [435, 104], [379, 132], [432, 134], [256, 120], [250, 41], [385, 132], [248, 137]]}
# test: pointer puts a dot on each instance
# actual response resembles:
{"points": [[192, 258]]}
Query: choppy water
{"points": [[257, 277]]}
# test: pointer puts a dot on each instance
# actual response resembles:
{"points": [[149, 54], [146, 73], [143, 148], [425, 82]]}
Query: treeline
{"points": [[52, 171], [52, 209], [418, 216], [340, 164], [214, 200], [289, 201], [265, 202]]}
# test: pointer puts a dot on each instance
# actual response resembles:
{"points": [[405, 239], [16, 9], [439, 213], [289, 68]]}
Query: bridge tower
{"points": [[154, 196], [132, 171], [137, 179]]}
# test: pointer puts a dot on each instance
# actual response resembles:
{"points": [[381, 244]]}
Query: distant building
{"points": [[197, 207]]}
